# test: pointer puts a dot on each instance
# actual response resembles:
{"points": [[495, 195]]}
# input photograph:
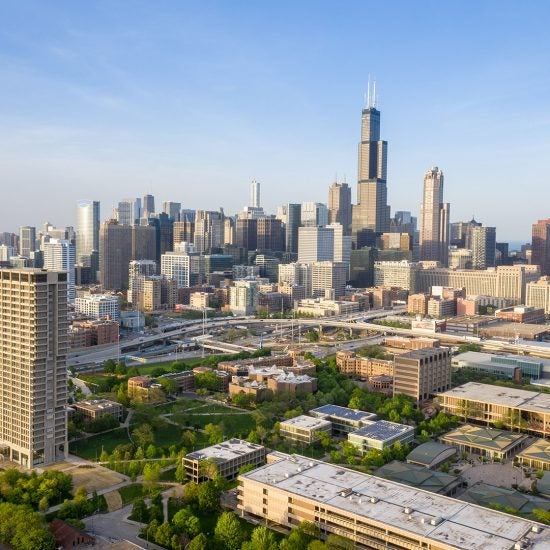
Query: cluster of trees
{"points": [[374, 352], [435, 426], [39, 491], [105, 422], [23, 528], [80, 506], [392, 324], [373, 458]]}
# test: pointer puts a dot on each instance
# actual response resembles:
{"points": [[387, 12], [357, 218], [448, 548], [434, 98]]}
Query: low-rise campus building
{"points": [[526, 410], [377, 513], [351, 364], [380, 434], [489, 442], [96, 408], [343, 419], [304, 429], [228, 457], [504, 366], [536, 455]]}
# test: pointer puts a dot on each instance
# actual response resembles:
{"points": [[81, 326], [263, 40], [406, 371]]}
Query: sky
{"points": [[190, 101]]}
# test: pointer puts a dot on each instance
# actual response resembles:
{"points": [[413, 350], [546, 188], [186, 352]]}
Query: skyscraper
{"points": [[313, 214], [128, 211], [372, 210], [292, 224], [255, 194], [434, 219], [172, 209], [209, 231], [87, 235], [246, 233], [540, 246], [115, 253], [59, 255], [148, 206], [33, 350], [339, 205], [483, 247], [27, 240]]}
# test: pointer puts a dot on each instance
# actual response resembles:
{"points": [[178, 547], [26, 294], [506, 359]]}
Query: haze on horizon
{"points": [[191, 101]]}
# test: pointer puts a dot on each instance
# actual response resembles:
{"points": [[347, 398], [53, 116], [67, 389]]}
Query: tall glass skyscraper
{"points": [[87, 235]]}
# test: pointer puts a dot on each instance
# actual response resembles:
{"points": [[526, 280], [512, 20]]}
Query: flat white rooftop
{"points": [[499, 395], [344, 413], [441, 519], [307, 422], [223, 452]]}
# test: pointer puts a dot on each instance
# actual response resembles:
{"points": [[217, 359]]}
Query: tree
{"points": [[229, 532], [324, 439], [200, 542], [139, 511], [186, 522], [151, 451], [121, 369], [169, 385], [188, 438], [214, 433], [109, 366], [143, 435], [207, 380], [336, 542], [163, 535], [151, 474], [261, 539], [208, 496]]}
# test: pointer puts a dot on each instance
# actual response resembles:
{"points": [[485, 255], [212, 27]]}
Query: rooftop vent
{"points": [[436, 521], [407, 510]]}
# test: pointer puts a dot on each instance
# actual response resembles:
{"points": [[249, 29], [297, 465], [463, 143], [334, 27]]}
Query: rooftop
{"points": [[342, 412], [381, 430], [540, 450], [430, 452], [488, 438], [417, 476], [223, 452], [491, 358], [500, 395], [308, 422], [96, 404], [440, 519]]}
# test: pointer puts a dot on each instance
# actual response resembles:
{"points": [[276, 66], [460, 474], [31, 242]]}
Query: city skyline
{"points": [[104, 125]]}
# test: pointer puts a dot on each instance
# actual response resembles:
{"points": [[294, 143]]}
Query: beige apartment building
{"points": [[350, 364], [422, 372], [33, 371], [376, 513]]}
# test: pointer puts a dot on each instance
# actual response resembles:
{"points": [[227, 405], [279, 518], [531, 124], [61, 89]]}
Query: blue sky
{"points": [[191, 101]]}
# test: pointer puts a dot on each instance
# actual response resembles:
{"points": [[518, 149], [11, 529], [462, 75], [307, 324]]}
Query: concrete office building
{"points": [[304, 429], [339, 205], [97, 408], [228, 457], [59, 255], [87, 235], [315, 244], [246, 233], [328, 279], [181, 266], [371, 211], [434, 219], [402, 274], [243, 297], [33, 370], [27, 240], [516, 408], [540, 246], [503, 366], [255, 197], [98, 306], [376, 513], [184, 231], [460, 258], [313, 214], [422, 373], [537, 294]]}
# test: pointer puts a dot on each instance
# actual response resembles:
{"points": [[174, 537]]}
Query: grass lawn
{"points": [[90, 448], [129, 493], [234, 424], [168, 475]]}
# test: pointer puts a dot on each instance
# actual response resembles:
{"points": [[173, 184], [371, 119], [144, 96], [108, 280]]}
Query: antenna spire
{"points": [[374, 95], [368, 94]]}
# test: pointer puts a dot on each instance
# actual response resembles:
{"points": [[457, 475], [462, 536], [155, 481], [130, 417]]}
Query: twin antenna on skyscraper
{"points": [[371, 99]]}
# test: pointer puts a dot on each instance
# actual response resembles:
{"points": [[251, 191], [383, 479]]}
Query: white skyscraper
{"points": [[59, 255], [255, 194], [128, 211]]}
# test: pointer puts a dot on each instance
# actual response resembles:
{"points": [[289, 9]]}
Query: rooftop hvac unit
{"points": [[374, 500], [407, 510], [436, 521]]}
